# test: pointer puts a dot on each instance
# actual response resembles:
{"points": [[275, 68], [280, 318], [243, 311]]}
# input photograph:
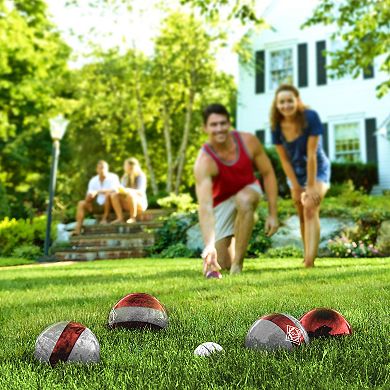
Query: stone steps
{"points": [[130, 241], [90, 255], [119, 241], [121, 228]]}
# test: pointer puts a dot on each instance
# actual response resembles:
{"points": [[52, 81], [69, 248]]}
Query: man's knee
{"points": [[81, 204], [246, 200]]}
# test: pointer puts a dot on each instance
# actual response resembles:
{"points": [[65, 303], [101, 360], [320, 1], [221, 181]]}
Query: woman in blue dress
{"points": [[297, 135]]}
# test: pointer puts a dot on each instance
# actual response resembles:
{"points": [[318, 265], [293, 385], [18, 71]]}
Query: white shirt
{"points": [[110, 182]]}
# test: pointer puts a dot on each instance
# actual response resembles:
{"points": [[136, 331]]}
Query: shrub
{"points": [[343, 246], [173, 232], [30, 252], [363, 176], [259, 242], [283, 188], [181, 203], [177, 250], [16, 233], [283, 252]]}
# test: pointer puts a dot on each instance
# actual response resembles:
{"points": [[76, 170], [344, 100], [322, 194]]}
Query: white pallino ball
{"points": [[207, 349], [67, 342], [275, 331]]}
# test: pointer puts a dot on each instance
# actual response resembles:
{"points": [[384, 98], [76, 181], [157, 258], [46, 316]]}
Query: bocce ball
{"points": [[322, 322], [67, 342], [275, 331], [138, 310], [213, 275]]}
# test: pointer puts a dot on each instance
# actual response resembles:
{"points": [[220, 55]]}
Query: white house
{"points": [[353, 117]]}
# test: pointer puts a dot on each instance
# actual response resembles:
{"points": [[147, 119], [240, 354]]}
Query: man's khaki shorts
{"points": [[225, 215]]}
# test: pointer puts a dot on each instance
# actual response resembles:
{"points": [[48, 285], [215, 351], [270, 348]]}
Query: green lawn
{"points": [[10, 261], [33, 297]]}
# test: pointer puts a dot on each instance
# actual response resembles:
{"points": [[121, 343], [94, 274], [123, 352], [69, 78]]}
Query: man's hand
{"points": [[91, 195], [271, 225], [210, 262]]}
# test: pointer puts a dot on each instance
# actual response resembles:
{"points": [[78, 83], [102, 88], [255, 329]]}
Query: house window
{"points": [[347, 142], [281, 68]]}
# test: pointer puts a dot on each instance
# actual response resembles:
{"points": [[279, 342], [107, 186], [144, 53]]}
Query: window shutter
{"points": [[321, 62], [260, 134], [369, 72], [302, 65], [325, 138], [260, 71], [371, 141]]}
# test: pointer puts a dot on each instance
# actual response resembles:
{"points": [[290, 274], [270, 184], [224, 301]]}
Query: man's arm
{"points": [[203, 182], [264, 166]]}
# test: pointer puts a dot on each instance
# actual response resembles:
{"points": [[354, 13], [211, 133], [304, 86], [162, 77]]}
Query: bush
{"points": [[177, 250], [30, 252], [283, 252], [345, 247], [181, 203], [259, 242], [17, 233], [363, 176], [283, 188], [173, 232]]}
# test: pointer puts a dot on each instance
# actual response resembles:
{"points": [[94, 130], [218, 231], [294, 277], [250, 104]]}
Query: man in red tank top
{"points": [[228, 191]]}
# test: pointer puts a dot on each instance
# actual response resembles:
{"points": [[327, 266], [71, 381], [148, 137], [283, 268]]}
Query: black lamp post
{"points": [[58, 127]]}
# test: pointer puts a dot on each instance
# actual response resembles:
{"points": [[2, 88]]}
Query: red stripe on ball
{"points": [[66, 342], [140, 300]]}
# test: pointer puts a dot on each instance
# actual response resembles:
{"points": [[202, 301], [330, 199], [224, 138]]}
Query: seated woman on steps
{"points": [[131, 195]]}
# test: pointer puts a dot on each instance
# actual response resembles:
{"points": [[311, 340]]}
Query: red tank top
{"points": [[232, 176]]}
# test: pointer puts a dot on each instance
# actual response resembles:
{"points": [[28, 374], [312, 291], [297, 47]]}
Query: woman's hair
{"points": [[275, 115], [129, 179]]}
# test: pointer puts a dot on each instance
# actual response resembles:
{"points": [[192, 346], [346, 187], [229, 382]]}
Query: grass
{"points": [[11, 261], [200, 310]]}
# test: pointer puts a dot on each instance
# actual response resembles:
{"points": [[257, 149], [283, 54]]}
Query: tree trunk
{"points": [[181, 157], [144, 142], [168, 146]]}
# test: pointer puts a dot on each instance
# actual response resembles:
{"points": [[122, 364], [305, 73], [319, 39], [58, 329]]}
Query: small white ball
{"points": [[207, 349]]}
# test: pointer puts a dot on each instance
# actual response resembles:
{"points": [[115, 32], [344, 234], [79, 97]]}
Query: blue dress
{"points": [[297, 149]]}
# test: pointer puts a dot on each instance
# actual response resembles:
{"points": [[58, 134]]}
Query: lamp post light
{"points": [[58, 127]]}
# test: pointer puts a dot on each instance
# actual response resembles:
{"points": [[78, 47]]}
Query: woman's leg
{"points": [[311, 214], [134, 205], [116, 204]]}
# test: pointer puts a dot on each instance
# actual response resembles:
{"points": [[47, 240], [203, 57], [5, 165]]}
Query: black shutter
{"points": [[321, 62], [325, 138], [371, 144], [260, 71], [302, 65], [369, 72], [260, 134]]}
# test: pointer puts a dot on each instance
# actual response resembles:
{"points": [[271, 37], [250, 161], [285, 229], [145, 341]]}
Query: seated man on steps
{"points": [[98, 199]]}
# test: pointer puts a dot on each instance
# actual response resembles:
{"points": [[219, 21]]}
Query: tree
{"points": [[363, 26], [32, 58]]}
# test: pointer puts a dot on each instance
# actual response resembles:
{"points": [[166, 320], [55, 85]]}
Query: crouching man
{"points": [[228, 191]]}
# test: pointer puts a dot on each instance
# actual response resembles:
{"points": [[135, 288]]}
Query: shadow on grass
{"points": [[32, 283]]}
